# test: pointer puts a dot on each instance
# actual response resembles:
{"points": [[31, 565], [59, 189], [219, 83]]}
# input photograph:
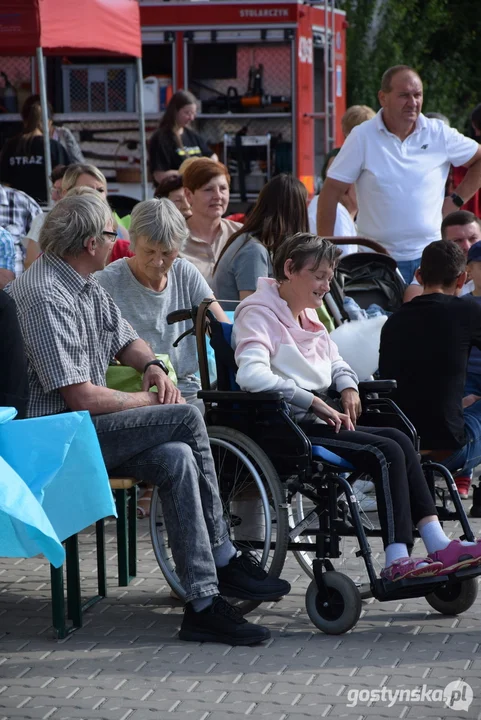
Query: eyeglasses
{"points": [[110, 234]]}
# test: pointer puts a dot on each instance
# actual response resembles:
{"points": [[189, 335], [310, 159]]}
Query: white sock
{"points": [[434, 537], [395, 551]]}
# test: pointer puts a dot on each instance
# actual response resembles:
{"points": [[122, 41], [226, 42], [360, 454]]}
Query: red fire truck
{"points": [[274, 70]]}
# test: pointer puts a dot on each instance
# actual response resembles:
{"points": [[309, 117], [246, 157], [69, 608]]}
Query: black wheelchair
{"points": [[281, 493]]}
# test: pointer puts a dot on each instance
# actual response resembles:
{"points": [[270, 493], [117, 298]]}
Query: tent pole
{"points": [[45, 124], [143, 138]]}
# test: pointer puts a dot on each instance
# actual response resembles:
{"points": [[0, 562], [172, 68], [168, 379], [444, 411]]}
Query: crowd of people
{"points": [[77, 299]]}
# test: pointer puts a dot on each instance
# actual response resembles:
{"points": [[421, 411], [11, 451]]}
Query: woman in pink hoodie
{"points": [[280, 344]]}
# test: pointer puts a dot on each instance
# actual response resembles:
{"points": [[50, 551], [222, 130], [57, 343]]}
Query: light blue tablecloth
{"points": [[53, 483]]}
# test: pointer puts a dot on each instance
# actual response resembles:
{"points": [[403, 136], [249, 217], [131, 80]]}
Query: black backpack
{"points": [[371, 278]]}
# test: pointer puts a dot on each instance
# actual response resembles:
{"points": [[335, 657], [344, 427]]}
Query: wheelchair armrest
{"points": [[238, 396], [373, 386]]}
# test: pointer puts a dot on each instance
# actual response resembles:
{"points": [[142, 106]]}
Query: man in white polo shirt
{"points": [[399, 161]]}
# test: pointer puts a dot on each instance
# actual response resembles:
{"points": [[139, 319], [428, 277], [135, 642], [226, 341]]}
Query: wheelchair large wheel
{"points": [[454, 598], [254, 507], [342, 609]]}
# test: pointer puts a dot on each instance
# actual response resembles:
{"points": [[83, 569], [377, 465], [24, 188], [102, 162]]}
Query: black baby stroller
{"points": [[369, 278]]}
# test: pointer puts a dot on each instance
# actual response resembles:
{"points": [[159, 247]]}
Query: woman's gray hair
{"points": [[301, 249], [72, 221], [160, 222]]}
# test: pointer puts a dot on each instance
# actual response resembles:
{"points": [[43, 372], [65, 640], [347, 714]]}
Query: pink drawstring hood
{"points": [[273, 351]]}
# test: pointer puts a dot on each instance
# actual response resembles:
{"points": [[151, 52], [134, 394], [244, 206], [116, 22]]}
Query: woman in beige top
{"points": [[206, 187]]}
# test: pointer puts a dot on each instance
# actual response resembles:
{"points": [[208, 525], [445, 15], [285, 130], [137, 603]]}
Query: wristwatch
{"points": [[159, 363], [457, 200]]}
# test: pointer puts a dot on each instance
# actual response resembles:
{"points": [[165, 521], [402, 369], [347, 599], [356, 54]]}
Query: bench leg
{"points": [[74, 597], [58, 602], [133, 533], [75, 607], [101, 565], [122, 537]]}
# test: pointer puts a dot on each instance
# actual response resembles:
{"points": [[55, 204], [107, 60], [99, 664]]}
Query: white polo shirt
{"points": [[400, 185]]}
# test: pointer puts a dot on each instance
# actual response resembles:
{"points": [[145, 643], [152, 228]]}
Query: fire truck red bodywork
{"points": [[304, 20]]}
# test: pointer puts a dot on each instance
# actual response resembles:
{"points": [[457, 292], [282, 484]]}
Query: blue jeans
{"points": [[469, 456], [407, 268], [168, 446], [473, 384]]}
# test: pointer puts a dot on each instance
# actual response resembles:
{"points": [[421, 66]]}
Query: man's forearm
{"points": [[101, 400], [326, 213], [111, 401], [471, 182], [137, 355]]}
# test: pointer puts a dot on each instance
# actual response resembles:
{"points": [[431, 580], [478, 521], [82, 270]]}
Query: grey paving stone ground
{"points": [[127, 663]]}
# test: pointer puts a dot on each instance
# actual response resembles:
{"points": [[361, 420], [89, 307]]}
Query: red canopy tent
{"points": [[74, 27]]}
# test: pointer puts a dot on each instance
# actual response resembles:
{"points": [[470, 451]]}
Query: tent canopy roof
{"points": [[74, 27]]}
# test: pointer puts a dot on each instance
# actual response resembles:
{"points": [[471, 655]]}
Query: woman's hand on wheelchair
{"points": [[332, 417], [351, 403]]}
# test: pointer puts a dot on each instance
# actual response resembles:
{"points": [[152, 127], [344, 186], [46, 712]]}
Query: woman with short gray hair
{"points": [[155, 281], [156, 219]]}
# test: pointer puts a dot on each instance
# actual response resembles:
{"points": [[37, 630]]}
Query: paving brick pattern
{"points": [[127, 663]]}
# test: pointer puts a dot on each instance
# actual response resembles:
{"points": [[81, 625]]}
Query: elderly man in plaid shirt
{"points": [[72, 329], [17, 210]]}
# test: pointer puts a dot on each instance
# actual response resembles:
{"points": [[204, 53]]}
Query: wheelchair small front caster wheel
{"points": [[454, 598], [340, 610]]}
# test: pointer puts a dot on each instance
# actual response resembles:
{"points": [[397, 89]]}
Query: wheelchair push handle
{"points": [[180, 315]]}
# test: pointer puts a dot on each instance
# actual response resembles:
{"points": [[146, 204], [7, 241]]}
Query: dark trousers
{"points": [[388, 456]]}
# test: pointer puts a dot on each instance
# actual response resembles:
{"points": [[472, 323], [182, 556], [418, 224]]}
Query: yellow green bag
{"points": [[325, 318], [126, 379], [125, 221]]}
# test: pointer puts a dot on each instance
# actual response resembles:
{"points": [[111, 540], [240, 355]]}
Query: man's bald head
{"points": [[386, 80]]}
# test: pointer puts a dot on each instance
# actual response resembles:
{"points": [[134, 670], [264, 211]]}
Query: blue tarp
{"points": [[53, 483]]}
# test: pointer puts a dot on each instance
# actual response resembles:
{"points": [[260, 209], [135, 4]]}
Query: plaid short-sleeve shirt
{"points": [[71, 329], [7, 251], [17, 210]]}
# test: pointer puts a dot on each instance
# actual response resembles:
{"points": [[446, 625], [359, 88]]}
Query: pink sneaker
{"points": [[457, 556], [408, 567]]}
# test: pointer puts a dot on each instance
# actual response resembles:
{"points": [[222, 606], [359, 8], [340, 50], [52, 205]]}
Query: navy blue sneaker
{"points": [[220, 623], [245, 579]]}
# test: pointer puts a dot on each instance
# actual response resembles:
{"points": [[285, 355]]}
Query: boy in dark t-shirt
{"points": [[425, 347]]}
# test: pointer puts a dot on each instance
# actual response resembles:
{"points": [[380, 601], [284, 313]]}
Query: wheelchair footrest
{"points": [[403, 589]]}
